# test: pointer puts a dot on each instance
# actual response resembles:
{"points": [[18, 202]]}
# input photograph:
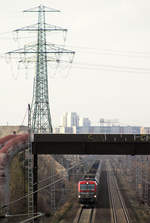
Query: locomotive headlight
{"points": [[79, 196], [95, 196]]}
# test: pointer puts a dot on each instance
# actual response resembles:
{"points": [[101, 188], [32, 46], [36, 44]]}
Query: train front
{"points": [[87, 191]]}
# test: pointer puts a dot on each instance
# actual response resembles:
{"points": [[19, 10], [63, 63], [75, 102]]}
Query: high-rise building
{"points": [[84, 122], [72, 119], [69, 119], [63, 120], [145, 130]]}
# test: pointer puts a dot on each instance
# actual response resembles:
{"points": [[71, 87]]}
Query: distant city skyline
{"points": [[68, 119], [79, 119], [72, 123]]}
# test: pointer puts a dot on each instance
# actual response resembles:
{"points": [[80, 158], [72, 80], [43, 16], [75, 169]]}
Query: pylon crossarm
{"points": [[49, 59], [42, 9], [55, 48], [50, 50], [47, 27], [26, 49], [26, 28]]}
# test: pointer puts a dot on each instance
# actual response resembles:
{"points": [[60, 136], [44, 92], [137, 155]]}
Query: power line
{"points": [[40, 189], [113, 66], [3, 33], [105, 51], [112, 51], [107, 67]]}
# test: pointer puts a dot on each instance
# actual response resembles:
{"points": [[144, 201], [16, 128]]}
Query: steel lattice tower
{"points": [[41, 118], [40, 115]]}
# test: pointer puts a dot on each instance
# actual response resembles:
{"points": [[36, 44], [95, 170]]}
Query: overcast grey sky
{"points": [[110, 77]]}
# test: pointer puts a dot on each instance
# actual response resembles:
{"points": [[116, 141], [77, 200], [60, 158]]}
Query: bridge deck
{"points": [[103, 144]]}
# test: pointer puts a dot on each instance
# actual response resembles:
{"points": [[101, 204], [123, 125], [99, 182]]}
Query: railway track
{"points": [[119, 212], [85, 215]]}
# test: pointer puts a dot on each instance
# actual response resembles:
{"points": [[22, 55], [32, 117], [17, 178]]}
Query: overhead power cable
{"points": [[105, 51], [113, 66], [40, 189], [105, 67], [117, 52], [108, 67], [3, 33]]}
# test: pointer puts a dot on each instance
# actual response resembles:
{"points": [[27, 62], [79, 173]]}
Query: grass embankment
{"points": [[139, 212], [66, 213], [18, 186]]}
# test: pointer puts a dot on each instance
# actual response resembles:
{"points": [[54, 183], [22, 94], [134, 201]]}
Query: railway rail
{"points": [[119, 212], [85, 215]]}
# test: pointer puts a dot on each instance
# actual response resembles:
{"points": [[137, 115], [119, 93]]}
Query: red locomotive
{"points": [[88, 187], [87, 191]]}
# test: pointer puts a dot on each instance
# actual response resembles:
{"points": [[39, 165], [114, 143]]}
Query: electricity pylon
{"points": [[41, 118], [40, 114]]}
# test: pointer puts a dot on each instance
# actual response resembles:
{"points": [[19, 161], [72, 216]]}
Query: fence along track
{"points": [[118, 209], [84, 215]]}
